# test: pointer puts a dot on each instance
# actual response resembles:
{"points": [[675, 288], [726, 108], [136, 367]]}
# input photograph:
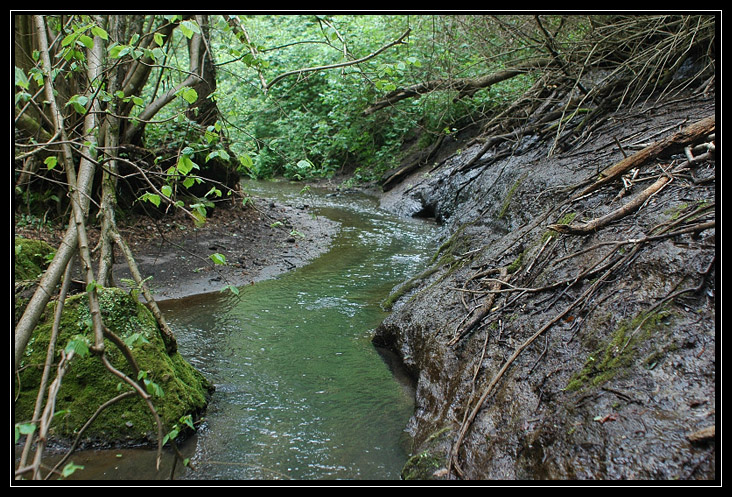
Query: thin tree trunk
{"points": [[109, 175], [79, 187]]}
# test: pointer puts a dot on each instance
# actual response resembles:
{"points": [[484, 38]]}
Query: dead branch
{"points": [[465, 86], [302, 71], [597, 223], [167, 334], [453, 457], [484, 309], [50, 354], [682, 138]]}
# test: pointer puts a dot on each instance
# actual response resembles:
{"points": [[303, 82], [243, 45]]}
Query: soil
{"points": [[257, 242]]}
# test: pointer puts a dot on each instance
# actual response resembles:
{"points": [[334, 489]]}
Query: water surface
{"points": [[301, 393]]}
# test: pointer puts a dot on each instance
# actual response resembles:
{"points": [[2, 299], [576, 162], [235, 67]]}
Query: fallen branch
{"points": [[171, 344], [453, 458], [684, 137], [597, 223], [484, 309]]}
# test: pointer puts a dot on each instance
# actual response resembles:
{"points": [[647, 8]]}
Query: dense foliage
{"points": [[313, 125]]}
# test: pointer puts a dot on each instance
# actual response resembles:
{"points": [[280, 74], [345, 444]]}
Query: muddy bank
{"points": [[259, 242], [543, 352]]}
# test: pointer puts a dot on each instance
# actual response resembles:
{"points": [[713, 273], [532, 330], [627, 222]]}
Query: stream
{"points": [[301, 392]]}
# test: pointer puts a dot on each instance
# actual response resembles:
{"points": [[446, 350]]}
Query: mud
{"points": [[604, 377], [258, 242]]}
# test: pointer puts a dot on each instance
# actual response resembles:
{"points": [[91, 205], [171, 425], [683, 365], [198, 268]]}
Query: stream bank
{"points": [[260, 241], [544, 352]]}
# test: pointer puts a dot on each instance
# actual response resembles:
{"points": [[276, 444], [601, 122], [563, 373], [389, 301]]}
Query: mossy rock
{"points": [[31, 258], [430, 463], [88, 384]]}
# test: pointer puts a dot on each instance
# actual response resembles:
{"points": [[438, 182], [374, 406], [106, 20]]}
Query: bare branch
{"points": [[466, 86], [340, 64]]}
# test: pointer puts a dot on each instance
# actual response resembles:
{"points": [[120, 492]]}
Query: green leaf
{"points": [[166, 190], [246, 161], [199, 216], [158, 39], [188, 421], [24, 429], [153, 198], [189, 95], [68, 40], [230, 288], [171, 435], [188, 28], [51, 162], [20, 78], [70, 469], [87, 41], [215, 191], [185, 165], [153, 388], [93, 285], [78, 102], [97, 31], [115, 51], [304, 164], [219, 259], [134, 339], [78, 345]]}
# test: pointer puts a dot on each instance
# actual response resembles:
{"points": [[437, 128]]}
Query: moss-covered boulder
{"points": [[181, 390], [31, 258]]}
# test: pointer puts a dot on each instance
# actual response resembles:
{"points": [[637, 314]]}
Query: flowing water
{"points": [[301, 393]]}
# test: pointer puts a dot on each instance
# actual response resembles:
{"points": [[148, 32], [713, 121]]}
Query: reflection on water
{"points": [[300, 391]]}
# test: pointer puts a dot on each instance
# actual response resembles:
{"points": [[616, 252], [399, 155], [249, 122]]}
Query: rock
{"points": [[599, 388], [88, 384]]}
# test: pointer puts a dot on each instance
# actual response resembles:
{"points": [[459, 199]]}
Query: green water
{"points": [[301, 393]]}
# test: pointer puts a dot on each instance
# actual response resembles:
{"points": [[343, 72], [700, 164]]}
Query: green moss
{"points": [[509, 195], [516, 264], [88, 384], [445, 256], [407, 287], [31, 258], [619, 352], [423, 466]]}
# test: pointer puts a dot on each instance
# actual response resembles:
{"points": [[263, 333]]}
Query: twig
{"points": [[491, 386], [340, 64], [481, 311]]}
